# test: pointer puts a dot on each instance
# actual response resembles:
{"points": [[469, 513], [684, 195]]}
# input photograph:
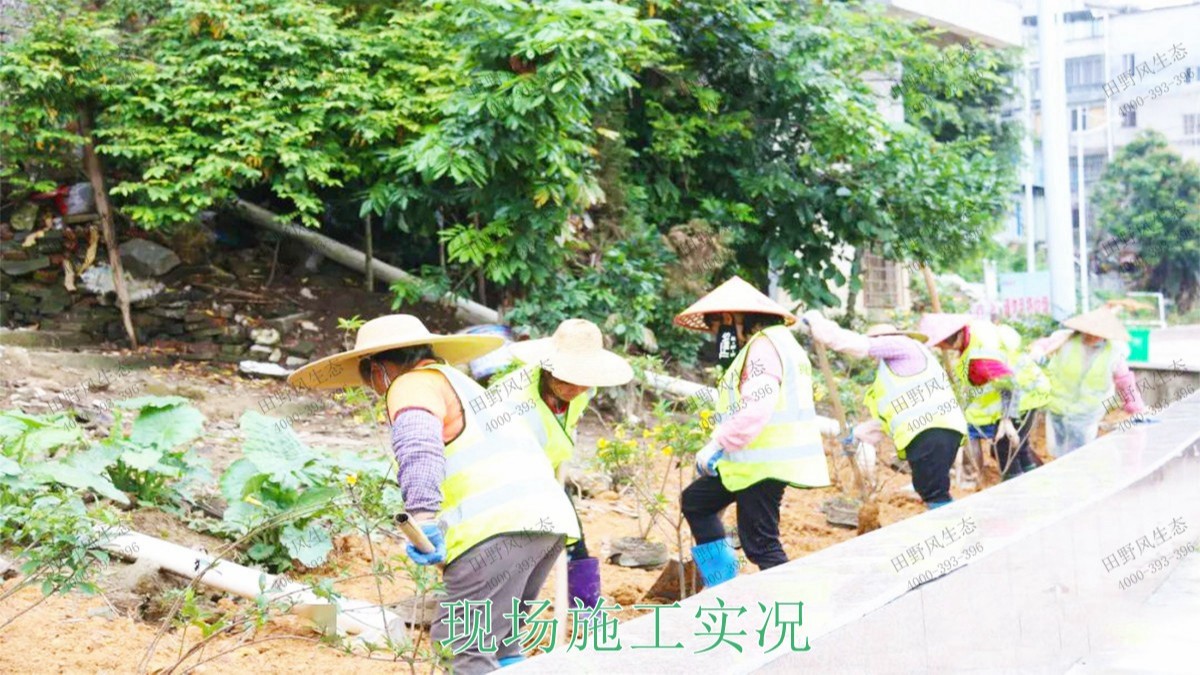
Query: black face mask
{"points": [[727, 346]]}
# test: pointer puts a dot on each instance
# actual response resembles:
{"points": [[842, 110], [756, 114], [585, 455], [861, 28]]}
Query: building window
{"points": [[1128, 64], [1078, 119], [1085, 71], [1191, 125], [1129, 118], [881, 289], [1093, 167]]}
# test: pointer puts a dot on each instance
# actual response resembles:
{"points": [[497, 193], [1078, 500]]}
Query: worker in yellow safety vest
{"points": [[551, 394], [477, 483], [767, 435], [1004, 388], [912, 401], [1086, 362]]}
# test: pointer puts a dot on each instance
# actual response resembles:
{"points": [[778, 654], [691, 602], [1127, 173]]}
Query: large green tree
{"points": [[1151, 195]]}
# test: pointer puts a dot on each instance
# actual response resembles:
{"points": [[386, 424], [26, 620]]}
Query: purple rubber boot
{"points": [[583, 581]]}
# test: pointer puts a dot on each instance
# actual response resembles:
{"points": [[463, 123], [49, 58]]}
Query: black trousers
{"points": [[757, 516], [931, 455]]}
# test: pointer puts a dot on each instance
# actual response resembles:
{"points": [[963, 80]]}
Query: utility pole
{"points": [[1030, 174], [1056, 161], [1081, 189]]}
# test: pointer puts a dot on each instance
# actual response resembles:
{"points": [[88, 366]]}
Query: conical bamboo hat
{"points": [[735, 295], [1101, 323]]}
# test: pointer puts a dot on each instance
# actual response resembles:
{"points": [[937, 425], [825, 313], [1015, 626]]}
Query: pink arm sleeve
{"points": [[763, 371], [1127, 387]]}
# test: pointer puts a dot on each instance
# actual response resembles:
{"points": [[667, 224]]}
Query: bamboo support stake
{"points": [[370, 270], [562, 599], [838, 412]]}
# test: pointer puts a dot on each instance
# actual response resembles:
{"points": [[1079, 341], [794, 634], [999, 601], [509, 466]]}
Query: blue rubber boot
{"points": [[938, 505], [716, 562], [511, 660]]}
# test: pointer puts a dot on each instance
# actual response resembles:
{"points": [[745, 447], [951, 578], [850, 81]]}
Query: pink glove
{"points": [[870, 432], [1135, 407]]}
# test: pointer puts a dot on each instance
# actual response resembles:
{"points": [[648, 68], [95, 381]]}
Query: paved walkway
{"points": [[1159, 637], [1176, 343]]}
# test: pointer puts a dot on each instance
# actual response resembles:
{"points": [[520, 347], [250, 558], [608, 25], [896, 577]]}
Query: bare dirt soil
{"points": [[79, 634]]}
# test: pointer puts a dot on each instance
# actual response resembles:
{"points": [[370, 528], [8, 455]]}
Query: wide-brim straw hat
{"points": [[882, 329], [734, 296], [385, 333], [938, 327], [1101, 322], [576, 354]]}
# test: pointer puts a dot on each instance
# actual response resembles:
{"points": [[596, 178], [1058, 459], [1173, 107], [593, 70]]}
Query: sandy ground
{"points": [[79, 634]]}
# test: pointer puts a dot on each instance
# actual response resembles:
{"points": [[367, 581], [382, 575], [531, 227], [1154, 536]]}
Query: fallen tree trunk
{"points": [[465, 310]]}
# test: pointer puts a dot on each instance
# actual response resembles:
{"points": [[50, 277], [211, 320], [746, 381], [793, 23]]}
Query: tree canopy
{"points": [[565, 153], [1149, 194]]}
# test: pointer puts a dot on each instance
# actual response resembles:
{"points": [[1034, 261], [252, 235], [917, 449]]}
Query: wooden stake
{"points": [[370, 257], [95, 172], [838, 411]]}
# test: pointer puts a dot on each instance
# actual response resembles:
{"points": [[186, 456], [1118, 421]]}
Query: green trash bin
{"points": [[1139, 344]]}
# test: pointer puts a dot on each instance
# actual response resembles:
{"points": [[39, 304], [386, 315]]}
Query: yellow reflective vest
{"points": [[987, 342], [908, 405], [1078, 386], [1031, 380], [789, 447], [497, 479], [556, 438]]}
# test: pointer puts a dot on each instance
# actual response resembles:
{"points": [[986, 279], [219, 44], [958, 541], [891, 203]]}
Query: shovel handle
{"points": [[414, 533]]}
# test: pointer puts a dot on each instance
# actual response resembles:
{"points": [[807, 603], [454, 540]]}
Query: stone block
{"points": [[148, 259], [16, 268]]}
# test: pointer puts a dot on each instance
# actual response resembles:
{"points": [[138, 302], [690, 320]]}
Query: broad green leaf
{"points": [[8, 467], [141, 458], [260, 551], [64, 474], [151, 402], [167, 427], [311, 545]]}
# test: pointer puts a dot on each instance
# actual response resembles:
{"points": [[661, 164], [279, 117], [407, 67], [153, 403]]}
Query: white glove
{"points": [[707, 457], [1005, 429], [828, 426]]}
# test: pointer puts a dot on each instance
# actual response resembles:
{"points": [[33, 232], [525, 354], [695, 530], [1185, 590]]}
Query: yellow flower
{"points": [[249, 499], [646, 433], [706, 415], [667, 450], [602, 443], [620, 432], [351, 479], [657, 430]]}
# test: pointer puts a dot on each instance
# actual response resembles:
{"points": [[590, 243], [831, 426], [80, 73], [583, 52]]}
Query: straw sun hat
{"points": [[938, 327], [881, 329], [576, 354], [385, 333], [1102, 323], [734, 296]]}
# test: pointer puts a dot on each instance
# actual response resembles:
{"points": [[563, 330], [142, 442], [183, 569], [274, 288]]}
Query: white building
{"points": [[993, 23], [1127, 70]]}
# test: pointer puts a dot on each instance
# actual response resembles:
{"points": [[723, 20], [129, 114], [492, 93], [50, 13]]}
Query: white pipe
{"points": [[468, 311], [367, 622]]}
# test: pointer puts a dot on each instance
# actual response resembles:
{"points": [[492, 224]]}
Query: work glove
{"points": [[434, 533], [1005, 429], [706, 459], [1134, 408]]}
